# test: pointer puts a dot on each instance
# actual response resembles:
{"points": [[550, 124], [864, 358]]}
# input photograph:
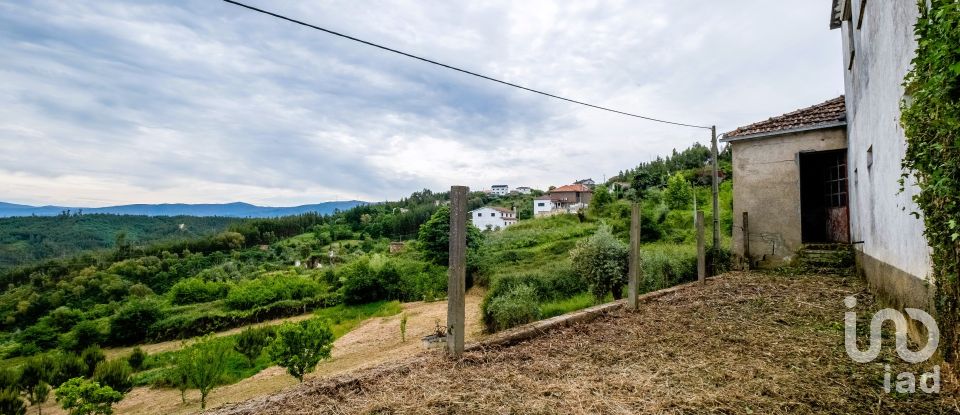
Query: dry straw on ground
{"points": [[744, 343]]}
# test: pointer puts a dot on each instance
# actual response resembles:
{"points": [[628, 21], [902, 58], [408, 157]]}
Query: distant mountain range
{"points": [[234, 210]]}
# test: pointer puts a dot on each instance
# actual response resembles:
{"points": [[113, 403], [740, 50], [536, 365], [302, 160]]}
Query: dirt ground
{"points": [[374, 342], [743, 343]]}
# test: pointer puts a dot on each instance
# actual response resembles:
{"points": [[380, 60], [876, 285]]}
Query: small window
{"points": [[479, 214], [869, 158], [493, 215], [540, 204]]}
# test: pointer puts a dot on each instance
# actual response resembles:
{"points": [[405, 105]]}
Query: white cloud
{"points": [[115, 102]]}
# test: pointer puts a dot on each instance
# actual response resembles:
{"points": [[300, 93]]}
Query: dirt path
{"points": [[743, 343], [373, 342]]}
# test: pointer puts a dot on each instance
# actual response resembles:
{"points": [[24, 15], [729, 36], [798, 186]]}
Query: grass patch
{"points": [[566, 305], [343, 318]]}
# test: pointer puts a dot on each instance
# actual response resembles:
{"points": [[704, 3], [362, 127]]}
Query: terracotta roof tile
{"points": [[572, 188], [827, 113]]}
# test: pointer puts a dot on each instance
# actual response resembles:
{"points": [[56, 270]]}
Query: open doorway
{"points": [[824, 214]]}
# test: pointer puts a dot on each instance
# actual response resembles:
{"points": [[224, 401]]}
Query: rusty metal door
{"points": [[835, 193]]}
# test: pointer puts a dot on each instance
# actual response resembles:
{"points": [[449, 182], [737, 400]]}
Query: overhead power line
{"points": [[409, 55]]}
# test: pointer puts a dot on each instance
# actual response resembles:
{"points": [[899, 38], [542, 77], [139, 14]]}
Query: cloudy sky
{"points": [[108, 102]]}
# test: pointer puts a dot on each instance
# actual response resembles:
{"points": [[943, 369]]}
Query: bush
{"points": [[85, 334], [92, 356], [268, 289], [84, 397], [251, 342], [602, 260], [666, 265], [299, 347], [132, 322], [9, 380], [519, 305], [115, 374], [370, 279], [551, 282], [37, 337], [195, 290], [69, 365], [137, 358], [10, 403]]}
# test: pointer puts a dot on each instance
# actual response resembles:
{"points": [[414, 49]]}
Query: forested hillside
{"points": [[32, 238]]}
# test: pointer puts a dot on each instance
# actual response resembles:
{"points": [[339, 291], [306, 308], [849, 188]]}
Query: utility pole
{"points": [[716, 189]]}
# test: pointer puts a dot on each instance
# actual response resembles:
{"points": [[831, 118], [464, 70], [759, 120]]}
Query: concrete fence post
{"points": [[633, 273], [701, 252], [746, 239], [457, 271]]}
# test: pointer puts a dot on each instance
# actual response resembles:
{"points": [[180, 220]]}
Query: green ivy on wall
{"points": [[931, 120]]}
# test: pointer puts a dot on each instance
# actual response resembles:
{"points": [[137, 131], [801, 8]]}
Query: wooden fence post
{"points": [[746, 239], [701, 254], [457, 271], [633, 273]]}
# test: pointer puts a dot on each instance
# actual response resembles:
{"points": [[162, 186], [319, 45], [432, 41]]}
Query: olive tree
{"points": [[602, 259]]}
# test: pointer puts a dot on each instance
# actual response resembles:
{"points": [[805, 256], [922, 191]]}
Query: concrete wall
{"points": [[766, 184], [893, 242]]}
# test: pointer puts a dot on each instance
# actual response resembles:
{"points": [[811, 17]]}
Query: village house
{"points": [[492, 218], [500, 189], [564, 199], [891, 250], [524, 190], [831, 173], [790, 177]]}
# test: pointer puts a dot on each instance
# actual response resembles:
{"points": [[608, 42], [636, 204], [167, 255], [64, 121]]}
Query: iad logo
{"points": [[906, 381]]}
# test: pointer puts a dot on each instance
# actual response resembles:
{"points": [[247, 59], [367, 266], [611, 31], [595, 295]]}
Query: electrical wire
{"points": [[409, 55]]}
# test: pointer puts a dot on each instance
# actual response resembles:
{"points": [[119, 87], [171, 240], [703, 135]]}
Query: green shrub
{"points": [[132, 321], [92, 356], [666, 265], [115, 374], [37, 337], [63, 318], [195, 290], [251, 342], [268, 289], [84, 334], [602, 260], [550, 282], [35, 377], [85, 397], [299, 347], [9, 380], [69, 365], [519, 305], [137, 358], [10, 403]]}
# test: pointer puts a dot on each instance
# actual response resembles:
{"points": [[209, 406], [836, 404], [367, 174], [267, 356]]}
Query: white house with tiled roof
{"points": [[564, 199], [492, 218]]}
